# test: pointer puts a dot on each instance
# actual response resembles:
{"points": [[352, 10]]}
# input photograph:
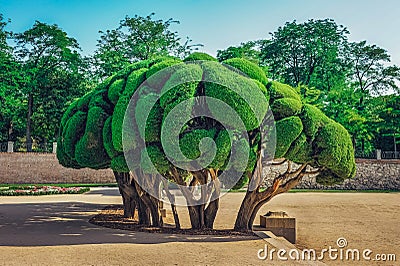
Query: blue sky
{"points": [[216, 24]]}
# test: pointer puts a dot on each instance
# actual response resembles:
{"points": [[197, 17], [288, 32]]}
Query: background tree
{"points": [[388, 111], [370, 75], [247, 50], [138, 38], [303, 53], [11, 79], [52, 68]]}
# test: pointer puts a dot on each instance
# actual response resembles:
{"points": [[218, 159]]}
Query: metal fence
{"points": [[365, 155], [22, 147], [3, 146], [390, 155]]}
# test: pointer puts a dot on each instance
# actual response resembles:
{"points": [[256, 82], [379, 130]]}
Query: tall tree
{"points": [[248, 50], [10, 91], [44, 51], [303, 53], [138, 38], [370, 75]]}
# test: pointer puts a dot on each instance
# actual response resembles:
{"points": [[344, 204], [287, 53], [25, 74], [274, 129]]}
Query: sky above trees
{"points": [[216, 24]]}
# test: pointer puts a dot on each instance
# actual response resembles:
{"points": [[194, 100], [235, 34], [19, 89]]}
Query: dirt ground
{"points": [[53, 230]]}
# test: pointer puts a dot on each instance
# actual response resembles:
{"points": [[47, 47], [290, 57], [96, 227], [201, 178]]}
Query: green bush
{"points": [[71, 110], [115, 90], [154, 161], [159, 80], [118, 164], [89, 151], [335, 150], [242, 149], [300, 151], [107, 139], [199, 56], [150, 125], [249, 68], [180, 86], [244, 96], [287, 131], [100, 99], [74, 130], [279, 90], [223, 143], [189, 142], [285, 107], [313, 119], [133, 82]]}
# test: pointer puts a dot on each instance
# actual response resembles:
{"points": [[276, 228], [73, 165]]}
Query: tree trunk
{"points": [[143, 213], [29, 123], [210, 213], [196, 216], [171, 199], [151, 203], [246, 209], [128, 193]]}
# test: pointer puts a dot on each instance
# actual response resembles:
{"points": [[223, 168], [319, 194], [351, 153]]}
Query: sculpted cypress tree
{"points": [[201, 125]]}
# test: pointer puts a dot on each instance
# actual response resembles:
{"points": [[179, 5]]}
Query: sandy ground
{"points": [[53, 230]]}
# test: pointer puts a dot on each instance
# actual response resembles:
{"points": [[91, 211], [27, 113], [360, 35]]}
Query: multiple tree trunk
{"points": [[202, 210]]}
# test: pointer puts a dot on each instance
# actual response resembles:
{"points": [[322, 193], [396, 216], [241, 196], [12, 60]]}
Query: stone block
{"points": [[280, 224]]}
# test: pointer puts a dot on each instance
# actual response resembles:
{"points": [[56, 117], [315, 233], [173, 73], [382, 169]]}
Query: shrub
{"points": [[287, 130], [199, 56], [249, 68]]}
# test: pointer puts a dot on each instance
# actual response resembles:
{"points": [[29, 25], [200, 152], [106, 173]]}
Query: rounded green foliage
{"points": [[105, 84], [72, 133], [279, 90], [335, 150], [313, 119], [89, 151], [287, 131], [285, 107], [134, 80], [189, 143], [223, 143], [199, 56], [63, 158], [159, 80], [328, 178], [154, 161], [149, 125], [107, 138], [241, 150], [83, 103], [100, 99], [249, 68], [118, 164], [243, 95], [300, 151], [71, 110], [115, 90], [180, 86]]}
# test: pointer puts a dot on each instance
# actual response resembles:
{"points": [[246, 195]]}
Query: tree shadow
{"points": [[66, 223]]}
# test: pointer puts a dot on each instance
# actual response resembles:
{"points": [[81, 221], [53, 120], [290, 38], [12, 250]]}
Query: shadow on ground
{"points": [[66, 223]]}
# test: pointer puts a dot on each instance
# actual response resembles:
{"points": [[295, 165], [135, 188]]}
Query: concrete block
{"points": [[280, 224]]}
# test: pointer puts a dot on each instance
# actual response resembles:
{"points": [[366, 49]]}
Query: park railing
{"points": [[390, 155], [379, 155], [11, 146]]}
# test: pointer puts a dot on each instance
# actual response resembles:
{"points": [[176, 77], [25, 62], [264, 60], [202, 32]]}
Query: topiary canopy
{"points": [[91, 131]]}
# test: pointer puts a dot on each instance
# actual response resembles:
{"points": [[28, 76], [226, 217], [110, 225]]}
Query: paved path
{"points": [[54, 230]]}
